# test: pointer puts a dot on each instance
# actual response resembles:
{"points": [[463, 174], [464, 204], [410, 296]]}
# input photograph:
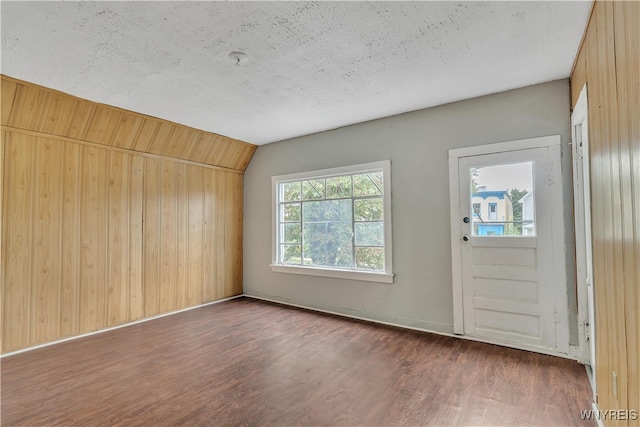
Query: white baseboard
{"points": [[124, 325], [541, 350], [146, 319]]}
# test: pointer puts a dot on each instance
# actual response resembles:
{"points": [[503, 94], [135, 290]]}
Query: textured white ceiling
{"points": [[312, 66]]}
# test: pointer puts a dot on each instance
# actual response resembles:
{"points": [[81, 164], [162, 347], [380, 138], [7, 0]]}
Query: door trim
{"points": [[557, 223], [582, 223]]}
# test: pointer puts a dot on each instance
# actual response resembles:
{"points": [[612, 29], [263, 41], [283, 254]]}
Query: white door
{"points": [[506, 220]]}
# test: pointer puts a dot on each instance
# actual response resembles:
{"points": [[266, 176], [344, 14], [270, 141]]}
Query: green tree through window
{"points": [[333, 221]]}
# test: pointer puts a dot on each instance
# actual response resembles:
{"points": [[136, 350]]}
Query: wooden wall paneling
{"points": [[195, 272], [37, 109], [176, 143], [27, 107], [57, 114], [632, 16], [230, 244], [127, 132], [624, 158], [627, 52], [579, 76], [608, 242], [614, 212], [245, 156], [182, 248], [223, 234], [93, 224], [608, 61], [71, 248], [603, 359], [201, 149], [46, 243], [118, 238], [7, 97], [3, 138], [189, 145], [233, 156], [230, 155], [17, 248], [211, 252], [146, 135], [151, 235], [218, 148], [161, 138], [109, 235], [135, 236], [238, 192], [82, 114], [103, 125], [168, 237], [221, 260]]}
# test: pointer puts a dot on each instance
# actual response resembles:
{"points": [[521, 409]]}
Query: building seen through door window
{"points": [[502, 200]]}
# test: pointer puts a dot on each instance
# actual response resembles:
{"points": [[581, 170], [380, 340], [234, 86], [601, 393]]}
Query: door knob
{"points": [[466, 220], [465, 238]]}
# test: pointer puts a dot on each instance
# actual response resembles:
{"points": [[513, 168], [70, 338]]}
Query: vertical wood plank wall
{"points": [[608, 62], [95, 236]]}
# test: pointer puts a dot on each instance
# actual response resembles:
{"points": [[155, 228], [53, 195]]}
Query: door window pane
{"points": [[502, 200]]}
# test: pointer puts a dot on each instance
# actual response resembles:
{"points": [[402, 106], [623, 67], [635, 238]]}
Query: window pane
{"points": [[502, 200], [290, 233], [324, 219], [369, 234], [290, 212], [370, 258], [328, 243], [338, 187], [368, 209], [313, 189], [290, 191], [327, 210], [368, 184], [290, 254]]}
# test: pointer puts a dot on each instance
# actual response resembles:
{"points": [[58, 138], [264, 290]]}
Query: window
{"points": [[476, 210], [334, 222]]}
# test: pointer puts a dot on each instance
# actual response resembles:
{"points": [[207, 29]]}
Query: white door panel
{"points": [[509, 277]]}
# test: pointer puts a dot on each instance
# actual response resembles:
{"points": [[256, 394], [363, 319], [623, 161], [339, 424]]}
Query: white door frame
{"points": [[557, 224], [582, 216]]}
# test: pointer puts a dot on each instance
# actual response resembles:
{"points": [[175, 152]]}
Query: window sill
{"points": [[367, 276]]}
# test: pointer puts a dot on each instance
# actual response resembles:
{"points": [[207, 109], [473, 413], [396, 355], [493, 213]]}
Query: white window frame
{"points": [[385, 276]]}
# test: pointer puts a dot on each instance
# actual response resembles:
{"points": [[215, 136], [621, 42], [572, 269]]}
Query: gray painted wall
{"points": [[417, 144]]}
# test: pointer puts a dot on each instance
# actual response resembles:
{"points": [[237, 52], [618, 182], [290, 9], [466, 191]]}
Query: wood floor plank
{"points": [[250, 362]]}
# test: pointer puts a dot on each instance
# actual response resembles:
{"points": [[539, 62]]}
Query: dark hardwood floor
{"points": [[245, 362]]}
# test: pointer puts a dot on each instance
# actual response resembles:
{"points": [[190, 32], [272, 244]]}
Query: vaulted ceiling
{"points": [[310, 66]]}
